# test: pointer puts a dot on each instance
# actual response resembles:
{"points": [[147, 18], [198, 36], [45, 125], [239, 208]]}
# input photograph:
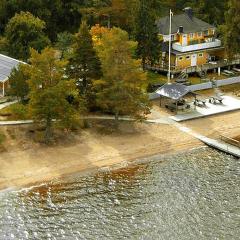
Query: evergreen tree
{"points": [[120, 91], [64, 43], [211, 11], [147, 33], [231, 29], [18, 82], [49, 91], [84, 65]]}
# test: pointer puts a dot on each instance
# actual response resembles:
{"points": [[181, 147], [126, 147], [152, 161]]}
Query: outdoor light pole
{"points": [[169, 51]]}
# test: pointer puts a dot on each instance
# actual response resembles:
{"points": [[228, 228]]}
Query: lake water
{"points": [[188, 196]]}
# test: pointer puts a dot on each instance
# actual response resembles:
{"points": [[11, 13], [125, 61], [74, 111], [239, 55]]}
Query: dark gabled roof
{"points": [[6, 66], [174, 91], [190, 25]]}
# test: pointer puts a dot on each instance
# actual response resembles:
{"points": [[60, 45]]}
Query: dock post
{"points": [[219, 71]]}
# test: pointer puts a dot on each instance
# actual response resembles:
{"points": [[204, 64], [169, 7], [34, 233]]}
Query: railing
{"points": [[194, 47], [213, 65], [162, 66], [200, 68]]}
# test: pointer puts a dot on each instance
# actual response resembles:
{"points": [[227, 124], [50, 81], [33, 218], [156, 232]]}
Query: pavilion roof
{"points": [[173, 91]]}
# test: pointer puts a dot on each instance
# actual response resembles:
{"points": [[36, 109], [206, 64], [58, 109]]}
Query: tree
{"points": [[211, 11], [84, 65], [24, 31], [49, 91], [231, 30], [64, 43], [147, 33], [120, 91], [59, 15], [18, 82]]}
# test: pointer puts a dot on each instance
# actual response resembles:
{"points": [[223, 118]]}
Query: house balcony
{"points": [[199, 46]]}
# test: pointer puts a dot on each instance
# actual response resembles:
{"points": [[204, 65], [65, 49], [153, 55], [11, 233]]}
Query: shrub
{"points": [[19, 111]]}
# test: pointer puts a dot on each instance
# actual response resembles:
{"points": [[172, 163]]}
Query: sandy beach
{"points": [[24, 162], [91, 150]]}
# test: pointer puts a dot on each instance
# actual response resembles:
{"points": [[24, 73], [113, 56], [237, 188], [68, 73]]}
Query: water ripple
{"points": [[189, 196]]}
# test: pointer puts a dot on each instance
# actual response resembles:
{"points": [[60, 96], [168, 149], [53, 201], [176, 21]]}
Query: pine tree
{"points": [[84, 65], [49, 91], [211, 11], [64, 43], [120, 91], [231, 29], [147, 33], [18, 82]]}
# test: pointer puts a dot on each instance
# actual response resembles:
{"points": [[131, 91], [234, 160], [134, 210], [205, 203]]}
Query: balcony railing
{"points": [[195, 47]]}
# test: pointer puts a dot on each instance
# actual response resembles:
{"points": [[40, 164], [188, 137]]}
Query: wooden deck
{"points": [[200, 68]]}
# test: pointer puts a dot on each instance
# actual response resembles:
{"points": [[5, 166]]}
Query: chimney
{"points": [[180, 29], [189, 12]]}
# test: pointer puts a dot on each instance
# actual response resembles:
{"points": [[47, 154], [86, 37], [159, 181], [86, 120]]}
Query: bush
{"points": [[19, 111]]}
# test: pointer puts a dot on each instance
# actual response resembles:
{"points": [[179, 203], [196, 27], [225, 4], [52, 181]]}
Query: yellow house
{"points": [[193, 41]]}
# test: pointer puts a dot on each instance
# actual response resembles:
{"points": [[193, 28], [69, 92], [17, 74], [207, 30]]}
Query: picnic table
{"points": [[216, 99], [199, 102]]}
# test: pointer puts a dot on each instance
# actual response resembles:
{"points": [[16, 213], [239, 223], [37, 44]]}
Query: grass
{"points": [[233, 88], [154, 78], [16, 111], [2, 138]]}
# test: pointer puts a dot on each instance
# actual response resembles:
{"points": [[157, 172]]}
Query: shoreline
{"points": [[95, 170], [92, 151], [25, 163]]}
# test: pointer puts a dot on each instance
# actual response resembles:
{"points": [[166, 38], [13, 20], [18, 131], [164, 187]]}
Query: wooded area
{"points": [[48, 21], [99, 66]]}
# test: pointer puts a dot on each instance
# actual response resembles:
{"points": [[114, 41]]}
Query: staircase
{"points": [[183, 78]]}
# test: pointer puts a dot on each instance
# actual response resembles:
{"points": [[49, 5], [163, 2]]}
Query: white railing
{"points": [[195, 47]]}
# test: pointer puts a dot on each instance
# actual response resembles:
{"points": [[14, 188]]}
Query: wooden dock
{"points": [[217, 144], [222, 146]]}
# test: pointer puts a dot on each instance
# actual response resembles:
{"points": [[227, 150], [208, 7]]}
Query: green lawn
{"points": [[155, 78]]}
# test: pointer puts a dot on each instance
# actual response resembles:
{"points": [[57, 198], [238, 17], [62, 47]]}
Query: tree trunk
{"points": [[117, 119], [48, 131], [144, 63]]}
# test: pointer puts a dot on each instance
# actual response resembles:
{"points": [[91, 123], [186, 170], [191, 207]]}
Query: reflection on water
{"points": [[191, 196]]}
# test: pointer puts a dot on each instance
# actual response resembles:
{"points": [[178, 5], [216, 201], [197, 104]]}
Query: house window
{"points": [[206, 33], [187, 57], [180, 58], [172, 37], [191, 35], [200, 34], [200, 54]]}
